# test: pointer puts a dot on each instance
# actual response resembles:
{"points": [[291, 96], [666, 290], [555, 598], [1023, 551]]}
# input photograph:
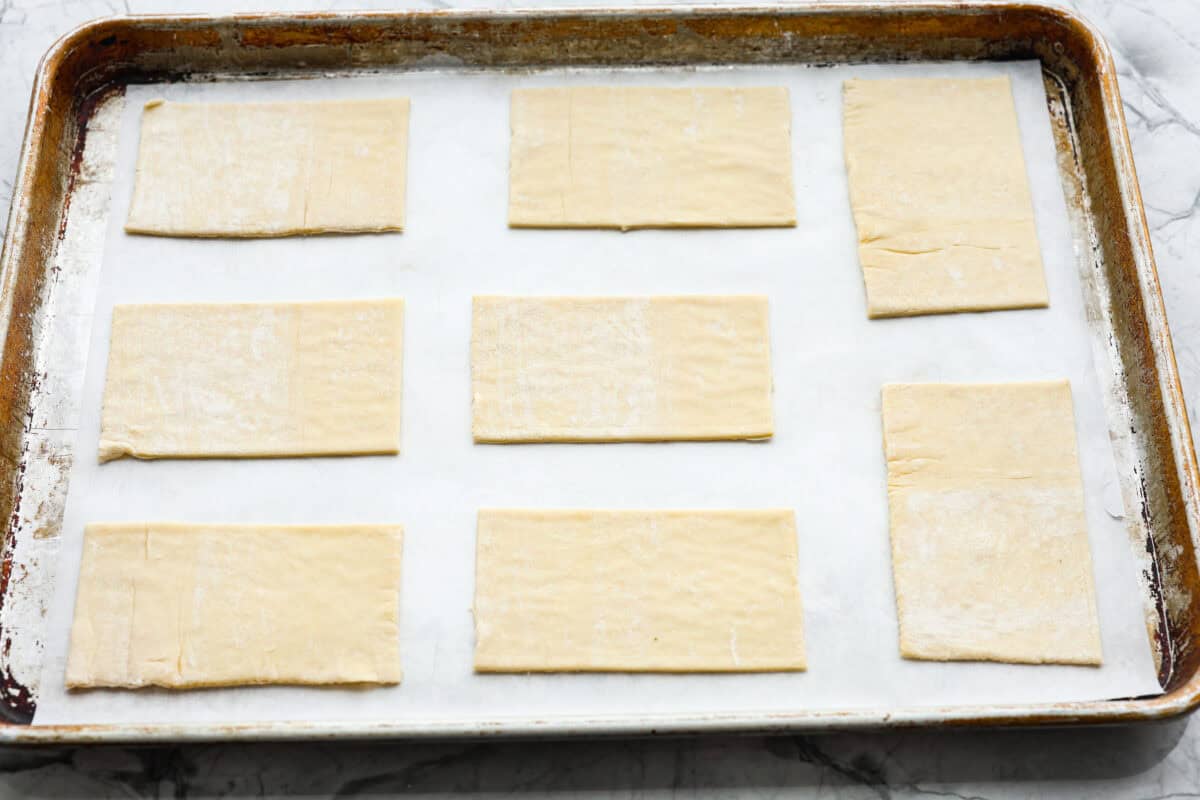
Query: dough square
{"points": [[192, 605], [646, 157], [270, 169], [620, 369], [990, 549], [247, 380], [637, 591], [940, 196]]}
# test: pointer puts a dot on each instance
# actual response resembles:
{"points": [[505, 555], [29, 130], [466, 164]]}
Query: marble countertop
{"points": [[1157, 47]]}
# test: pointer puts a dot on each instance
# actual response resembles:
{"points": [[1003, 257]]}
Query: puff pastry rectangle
{"points": [[597, 369], [637, 591], [642, 157], [940, 196], [253, 379], [183, 606], [270, 169], [989, 539]]}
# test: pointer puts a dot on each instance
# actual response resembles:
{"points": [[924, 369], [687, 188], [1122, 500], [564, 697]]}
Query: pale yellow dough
{"points": [[184, 606], [637, 591], [989, 540], [270, 169], [253, 380], [637, 157], [940, 196], [598, 369]]}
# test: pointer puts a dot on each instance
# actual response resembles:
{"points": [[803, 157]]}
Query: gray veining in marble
{"points": [[1157, 47]]}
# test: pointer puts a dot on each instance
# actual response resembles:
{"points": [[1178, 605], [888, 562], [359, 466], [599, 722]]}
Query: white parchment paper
{"points": [[825, 461]]}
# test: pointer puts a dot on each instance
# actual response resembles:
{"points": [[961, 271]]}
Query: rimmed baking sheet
{"points": [[825, 461]]}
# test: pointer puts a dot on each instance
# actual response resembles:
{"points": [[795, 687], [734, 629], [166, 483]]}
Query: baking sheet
{"points": [[825, 461]]}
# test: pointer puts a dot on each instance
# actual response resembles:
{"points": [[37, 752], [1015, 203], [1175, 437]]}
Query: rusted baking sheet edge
{"points": [[102, 56], [553, 726]]}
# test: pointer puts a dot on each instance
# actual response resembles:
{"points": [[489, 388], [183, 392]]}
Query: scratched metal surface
{"points": [[52, 255]]}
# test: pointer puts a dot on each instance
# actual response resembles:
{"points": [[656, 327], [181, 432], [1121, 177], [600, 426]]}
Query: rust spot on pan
{"points": [[16, 701], [83, 113]]}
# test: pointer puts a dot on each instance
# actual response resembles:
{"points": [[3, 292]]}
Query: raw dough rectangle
{"points": [[940, 196], [600, 369], [270, 169], [185, 606], [989, 539], [637, 591], [639, 157], [253, 379]]}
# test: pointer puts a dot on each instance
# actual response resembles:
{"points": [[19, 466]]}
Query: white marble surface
{"points": [[1157, 46]]}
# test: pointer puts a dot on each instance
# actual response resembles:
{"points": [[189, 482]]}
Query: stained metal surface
{"points": [[52, 254]]}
